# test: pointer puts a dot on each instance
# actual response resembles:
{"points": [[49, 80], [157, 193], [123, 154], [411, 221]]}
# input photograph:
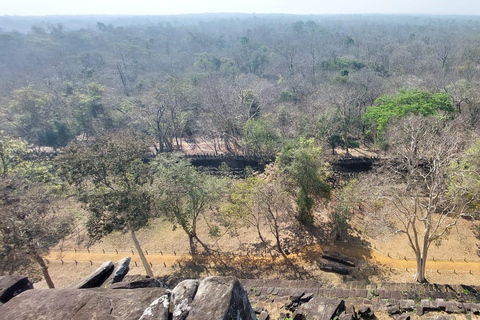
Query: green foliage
{"points": [[466, 173], [29, 225], [301, 163], [346, 201], [207, 62], [241, 198], [88, 111], [286, 96], [228, 68], [305, 207], [261, 138], [252, 57], [214, 232], [224, 170], [167, 112], [341, 64], [182, 194], [335, 141], [405, 102], [12, 151], [112, 178], [38, 118]]}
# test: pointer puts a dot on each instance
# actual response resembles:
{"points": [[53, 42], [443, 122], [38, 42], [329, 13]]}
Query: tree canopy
{"points": [[303, 166], [113, 178], [406, 102], [29, 222], [183, 195]]}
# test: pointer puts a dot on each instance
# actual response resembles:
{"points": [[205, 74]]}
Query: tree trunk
{"points": [[279, 246], [44, 267], [148, 270], [421, 264], [345, 138], [259, 232], [193, 247]]}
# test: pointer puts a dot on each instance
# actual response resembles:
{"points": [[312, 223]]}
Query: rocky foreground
{"points": [[109, 293]]}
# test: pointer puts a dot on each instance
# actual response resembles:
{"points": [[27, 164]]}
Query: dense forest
{"points": [[101, 107], [184, 78]]}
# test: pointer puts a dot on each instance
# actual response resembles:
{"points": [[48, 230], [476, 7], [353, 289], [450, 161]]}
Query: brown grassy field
{"points": [[455, 261]]}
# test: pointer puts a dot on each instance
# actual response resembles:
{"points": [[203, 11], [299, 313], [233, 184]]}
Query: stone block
{"points": [[96, 278], [220, 298], [320, 309], [54, 304]]}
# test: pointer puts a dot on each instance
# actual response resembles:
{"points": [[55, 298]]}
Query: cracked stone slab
{"points": [[54, 304]]}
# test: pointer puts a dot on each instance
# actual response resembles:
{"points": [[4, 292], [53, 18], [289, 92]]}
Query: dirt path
{"points": [[372, 257], [71, 256], [378, 258]]}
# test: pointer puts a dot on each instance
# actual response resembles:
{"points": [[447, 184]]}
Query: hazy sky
{"points": [[162, 7]]}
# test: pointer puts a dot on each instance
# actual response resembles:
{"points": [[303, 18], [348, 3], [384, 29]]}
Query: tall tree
{"points": [[88, 111], [242, 207], [465, 175], [302, 165], [29, 223], [261, 139], [113, 177], [11, 152], [347, 112], [183, 195], [168, 111], [426, 200], [260, 203], [38, 117]]}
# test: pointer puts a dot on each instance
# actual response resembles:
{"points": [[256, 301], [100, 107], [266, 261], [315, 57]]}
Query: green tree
{"points": [[29, 223], [335, 141], [167, 113], [346, 201], [465, 176], [183, 195], [11, 153], [406, 102], [261, 138], [88, 113], [207, 62], [251, 57], [274, 203], [113, 178], [241, 205], [260, 203], [302, 164], [39, 117]]}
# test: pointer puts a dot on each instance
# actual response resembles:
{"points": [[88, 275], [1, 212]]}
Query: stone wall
{"points": [[392, 298]]}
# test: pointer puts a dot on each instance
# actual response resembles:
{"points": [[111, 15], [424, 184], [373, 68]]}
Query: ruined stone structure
{"points": [[109, 293]]}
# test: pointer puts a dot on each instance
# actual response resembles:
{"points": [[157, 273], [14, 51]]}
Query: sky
{"points": [[168, 7]]}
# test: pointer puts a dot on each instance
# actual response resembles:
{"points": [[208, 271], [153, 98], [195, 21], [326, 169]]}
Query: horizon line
{"points": [[238, 13]]}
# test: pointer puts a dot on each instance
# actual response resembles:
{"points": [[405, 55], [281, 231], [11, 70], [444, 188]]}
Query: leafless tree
{"points": [[417, 183]]}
